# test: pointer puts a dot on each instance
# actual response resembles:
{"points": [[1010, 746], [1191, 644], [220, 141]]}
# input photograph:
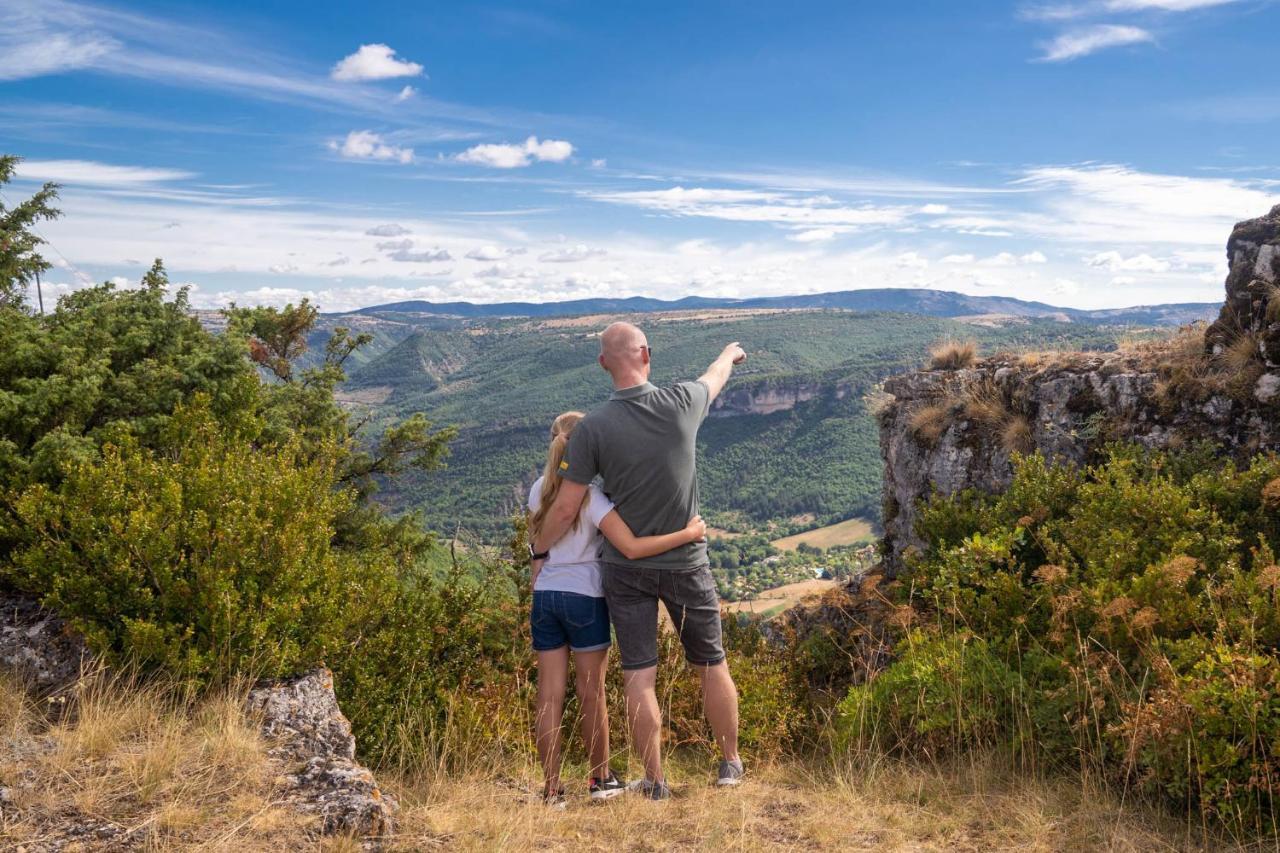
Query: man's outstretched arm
{"points": [[718, 373], [561, 515]]}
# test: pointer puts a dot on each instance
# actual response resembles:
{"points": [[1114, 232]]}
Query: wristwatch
{"points": [[534, 555]]}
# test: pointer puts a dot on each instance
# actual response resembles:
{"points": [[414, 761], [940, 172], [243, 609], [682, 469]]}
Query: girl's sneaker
{"points": [[608, 788], [554, 799]]}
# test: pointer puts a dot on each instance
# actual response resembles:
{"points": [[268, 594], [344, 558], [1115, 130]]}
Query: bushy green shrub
{"points": [[203, 557], [1132, 603], [944, 691]]}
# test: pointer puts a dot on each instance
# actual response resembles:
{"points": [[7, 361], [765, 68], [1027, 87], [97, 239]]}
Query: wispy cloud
{"points": [[785, 209], [96, 174], [1069, 11], [1077, 43]]}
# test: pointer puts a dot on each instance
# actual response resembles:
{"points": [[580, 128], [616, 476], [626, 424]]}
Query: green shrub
{"points": [[1135, 599], [204, 557], [944, 692]]}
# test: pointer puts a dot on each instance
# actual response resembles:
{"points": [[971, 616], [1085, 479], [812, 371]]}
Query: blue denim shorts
{"points": [[567, 618]]}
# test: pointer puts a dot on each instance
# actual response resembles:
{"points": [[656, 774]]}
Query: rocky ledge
{"points": [[309, 739], [949, 430]]}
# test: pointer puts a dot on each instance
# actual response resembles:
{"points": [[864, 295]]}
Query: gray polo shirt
{"points": [[642, 442]]}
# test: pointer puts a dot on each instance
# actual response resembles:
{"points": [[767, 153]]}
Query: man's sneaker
{"points": [[650, 790], [608, 788], [554, 800], [730, 773]]}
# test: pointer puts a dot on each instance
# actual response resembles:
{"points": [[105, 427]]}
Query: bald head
{"points": [[624, 352]]}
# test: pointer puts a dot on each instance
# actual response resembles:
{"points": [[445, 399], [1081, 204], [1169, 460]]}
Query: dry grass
{"points": [[171, 772], [953, 355], [848, 532], [976, 805], [929, 421]]}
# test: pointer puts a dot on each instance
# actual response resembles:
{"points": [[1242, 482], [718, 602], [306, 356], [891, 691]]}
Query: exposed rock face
{"points": [[302, 718], [765, 400], [38, 646], [1254, 254], [311, 740], [935, 439]]}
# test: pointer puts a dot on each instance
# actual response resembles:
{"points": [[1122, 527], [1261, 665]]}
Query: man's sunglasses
{"points": [[647, 349]]}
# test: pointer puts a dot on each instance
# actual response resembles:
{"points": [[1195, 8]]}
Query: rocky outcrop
{"points": [[310, 740], [38, 647], [767, 399], [311, 736], [949, 430], [1254, 277]]}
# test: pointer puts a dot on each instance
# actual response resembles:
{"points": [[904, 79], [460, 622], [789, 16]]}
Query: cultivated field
{"points": [[848, 532]]}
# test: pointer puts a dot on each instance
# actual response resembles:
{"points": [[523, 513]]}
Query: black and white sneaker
{"points": [[650, 790], [555, 799], [607, 788], [731, 773]]}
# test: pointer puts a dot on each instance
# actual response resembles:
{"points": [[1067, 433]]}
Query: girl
{"points": [[569, 613]]}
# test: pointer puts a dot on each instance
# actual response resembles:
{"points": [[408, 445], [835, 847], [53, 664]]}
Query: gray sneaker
{"points": [[650, 790], [730, 773]]}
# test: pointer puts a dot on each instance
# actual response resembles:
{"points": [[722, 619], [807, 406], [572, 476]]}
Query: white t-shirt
{"points": [[574, 562]]}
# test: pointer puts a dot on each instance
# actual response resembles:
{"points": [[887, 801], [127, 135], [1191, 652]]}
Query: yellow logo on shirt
{"points": [[564, 466]]}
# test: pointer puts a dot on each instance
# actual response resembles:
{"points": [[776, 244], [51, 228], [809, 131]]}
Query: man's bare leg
{"points": [[720, 704], [644, 718]]}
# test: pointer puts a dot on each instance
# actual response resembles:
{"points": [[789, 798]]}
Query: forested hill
{"points": [[792, 436], [933, 303]]}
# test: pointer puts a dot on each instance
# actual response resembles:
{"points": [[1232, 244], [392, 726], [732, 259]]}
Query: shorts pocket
{"points": [[578, 611]]}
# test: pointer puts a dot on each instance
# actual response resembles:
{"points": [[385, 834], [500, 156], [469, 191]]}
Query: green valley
{"points": [[791, 436]]}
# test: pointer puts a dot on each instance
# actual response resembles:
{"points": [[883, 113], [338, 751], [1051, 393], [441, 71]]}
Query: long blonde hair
{"points": [[561, 427]]}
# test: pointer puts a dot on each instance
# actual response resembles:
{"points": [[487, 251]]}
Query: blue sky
{"points": [[1081, 152]]}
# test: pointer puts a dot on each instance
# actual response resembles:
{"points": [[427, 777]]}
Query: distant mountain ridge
{"points": [[933, 303]]}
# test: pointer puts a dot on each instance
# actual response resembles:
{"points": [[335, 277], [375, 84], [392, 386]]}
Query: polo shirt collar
{"points": [[633, 392]]}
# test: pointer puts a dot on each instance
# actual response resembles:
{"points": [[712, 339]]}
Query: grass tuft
{"points": [[953, 355], [929, 421]]}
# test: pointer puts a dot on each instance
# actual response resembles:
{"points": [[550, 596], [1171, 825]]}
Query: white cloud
{"points": [[813, 235], [791, 209], [391, 229], [959, 259], [934, 209], [54, 53], [599, 163], [505, 156], [282, 269], [1113, 261], [1074, 44], [98, 174], [495, 271], [1069, 11], [912, 261], [405, 94], [486, 253], [393, 245], [573, 254], [367, 145], [1103, 203], [374, 62], [426, 256], [1123, 280], [1035, 257]]}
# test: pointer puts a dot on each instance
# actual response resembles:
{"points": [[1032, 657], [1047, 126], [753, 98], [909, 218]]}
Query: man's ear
{"points": [[600, 358]]}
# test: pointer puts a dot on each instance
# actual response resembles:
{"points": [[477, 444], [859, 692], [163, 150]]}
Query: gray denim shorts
{"points": [[691, 601]]}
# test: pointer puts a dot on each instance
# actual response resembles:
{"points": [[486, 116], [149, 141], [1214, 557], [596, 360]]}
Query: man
{"points": [[642, 443]]}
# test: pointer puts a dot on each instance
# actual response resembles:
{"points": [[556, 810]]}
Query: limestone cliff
{"points": [[948, 430]]}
